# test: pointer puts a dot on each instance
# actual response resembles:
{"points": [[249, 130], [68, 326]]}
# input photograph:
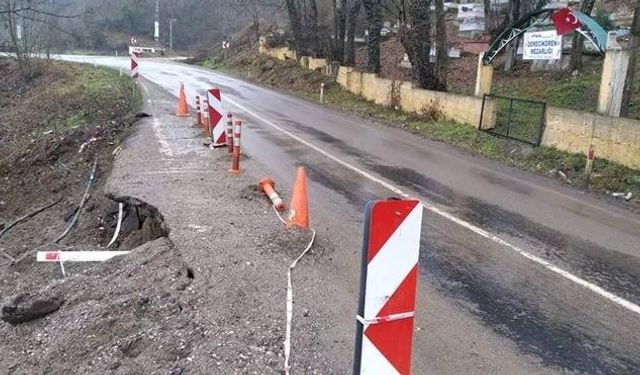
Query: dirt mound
{"points": [[120, 316], [282, 74]]}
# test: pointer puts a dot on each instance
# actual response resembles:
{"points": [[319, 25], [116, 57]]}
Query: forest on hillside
{"points": [[320, 28]]}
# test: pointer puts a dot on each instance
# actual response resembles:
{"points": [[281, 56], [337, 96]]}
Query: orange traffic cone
{"points": [[183, 110], [299, 212]]}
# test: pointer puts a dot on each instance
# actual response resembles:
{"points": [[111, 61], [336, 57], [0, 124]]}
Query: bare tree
{"points": [[340, 20], [30, 25], [373, 11], [303, 18], [578, 40], [442, 53], [634, 45], [417, 35], [514, 15], [488, 20], [294, 21], [350, 50]]}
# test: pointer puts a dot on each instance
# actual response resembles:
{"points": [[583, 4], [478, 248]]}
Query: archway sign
{"points": [[565, 21]]}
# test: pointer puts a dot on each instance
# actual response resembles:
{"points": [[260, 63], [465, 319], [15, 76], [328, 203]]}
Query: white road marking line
{"points": [[165, 147], [584, 283]]}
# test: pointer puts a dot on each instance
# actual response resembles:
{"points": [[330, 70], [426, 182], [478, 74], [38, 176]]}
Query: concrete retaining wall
{"points": [[614, 138], [318, 65]]}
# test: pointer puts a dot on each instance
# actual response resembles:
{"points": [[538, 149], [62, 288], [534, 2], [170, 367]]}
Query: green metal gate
{"points": [[512, 118]]}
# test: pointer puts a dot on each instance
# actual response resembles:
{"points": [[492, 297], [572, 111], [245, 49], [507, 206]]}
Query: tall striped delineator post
{"points": [[205, 122], [235, 157], [203, 109], [388, 280], [230, 132], [218, 133], [198, 112]]}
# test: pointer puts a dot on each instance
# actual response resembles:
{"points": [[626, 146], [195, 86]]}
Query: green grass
{"points": [[74, 121], [607, 176], [213, 63], [100, 93], [561, 89]]}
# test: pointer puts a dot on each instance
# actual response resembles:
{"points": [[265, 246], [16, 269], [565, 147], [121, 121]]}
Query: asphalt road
{"points": [[518, 274]]}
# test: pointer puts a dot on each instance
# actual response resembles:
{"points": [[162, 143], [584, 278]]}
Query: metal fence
{"points": [[512, 118]]}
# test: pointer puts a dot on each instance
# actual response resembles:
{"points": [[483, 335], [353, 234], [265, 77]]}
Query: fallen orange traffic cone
{"points": [[183, 110], [267, 186], [299, 212]]}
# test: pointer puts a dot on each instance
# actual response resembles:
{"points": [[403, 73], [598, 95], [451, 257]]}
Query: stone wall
{"points": [[613, 138]]}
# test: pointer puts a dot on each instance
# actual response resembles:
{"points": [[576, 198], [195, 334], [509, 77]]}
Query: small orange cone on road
{"points": [[183, 110], [299, 212]]}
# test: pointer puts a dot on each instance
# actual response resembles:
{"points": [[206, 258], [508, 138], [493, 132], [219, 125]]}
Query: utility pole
{"points": [[156, 24], [19, 21], [171, 21]]}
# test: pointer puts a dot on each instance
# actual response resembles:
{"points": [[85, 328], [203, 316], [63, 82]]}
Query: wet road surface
{"points": [[482, 307]]}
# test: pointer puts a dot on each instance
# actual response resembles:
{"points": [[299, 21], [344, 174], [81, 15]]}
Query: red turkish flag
{"points": [[565, 21]]}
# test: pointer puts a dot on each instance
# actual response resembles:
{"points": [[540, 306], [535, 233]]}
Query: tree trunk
{"points": [[514, 15], [373, 9], [634, 45], [350, 47], [575, 63], [340, 20], [416, 41], [488, 22], [294, 20], [312, 26], [442, 53]]}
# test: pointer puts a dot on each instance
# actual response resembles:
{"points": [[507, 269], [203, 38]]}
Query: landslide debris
{"points": [[52, 129]]}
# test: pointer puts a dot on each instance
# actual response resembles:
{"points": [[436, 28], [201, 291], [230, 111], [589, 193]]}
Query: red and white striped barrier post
{"points": [[235, 162], [77, 256], [388, 279], [230, 132], [198, 112], [135, 74], [218, 135]]}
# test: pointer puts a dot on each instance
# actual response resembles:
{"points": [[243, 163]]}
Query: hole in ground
{"points": [[141, 222]]}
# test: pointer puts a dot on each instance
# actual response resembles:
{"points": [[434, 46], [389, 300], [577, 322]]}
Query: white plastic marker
{"points": [[77, 256], [117, 232], [566, 274]]}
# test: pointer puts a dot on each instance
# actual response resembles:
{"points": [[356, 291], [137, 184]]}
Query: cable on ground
{"points": [[287, 339], [92, 178]]}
